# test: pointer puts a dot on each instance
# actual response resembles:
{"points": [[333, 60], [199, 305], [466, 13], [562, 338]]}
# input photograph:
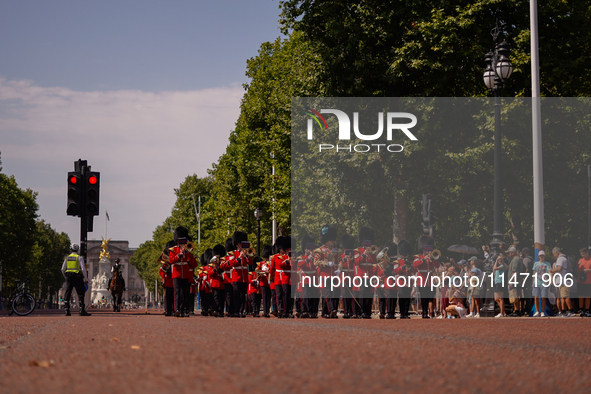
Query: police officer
{"points": [[74, 271]]}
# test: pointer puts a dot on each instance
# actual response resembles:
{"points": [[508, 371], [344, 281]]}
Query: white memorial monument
{"points": [[99, 283]]}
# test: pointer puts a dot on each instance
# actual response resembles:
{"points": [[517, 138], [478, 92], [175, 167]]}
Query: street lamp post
{"points": [[498, 70], [258, 214]]}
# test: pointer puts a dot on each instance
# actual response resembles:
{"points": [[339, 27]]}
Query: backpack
{"points": [[572, 268]]}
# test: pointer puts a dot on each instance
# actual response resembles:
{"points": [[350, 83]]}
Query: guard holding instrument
{"points": [[238, 261], [324, 260], [405, 270], [425, 266], [365, 260], [183, 264]]}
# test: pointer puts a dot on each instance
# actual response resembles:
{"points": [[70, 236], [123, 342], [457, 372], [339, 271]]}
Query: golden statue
{"points": [[104, 254]]}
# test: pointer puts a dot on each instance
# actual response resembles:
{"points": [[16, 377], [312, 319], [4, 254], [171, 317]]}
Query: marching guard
{"points": [[183, 263], [425, 266], [324, 260], [405, 270]]}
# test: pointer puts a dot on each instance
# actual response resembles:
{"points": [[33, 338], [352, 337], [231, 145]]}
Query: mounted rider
{"points": [[117, 267]]}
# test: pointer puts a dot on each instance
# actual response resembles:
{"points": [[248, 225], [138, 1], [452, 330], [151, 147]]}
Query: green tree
{"points": [[49, 251], [18, 212]]}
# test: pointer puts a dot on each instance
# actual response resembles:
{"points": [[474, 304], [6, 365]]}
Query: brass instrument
{"points": [[164, 261], [250, 252], [190, 246], [383, 254], [373, 249], [436, 254]]}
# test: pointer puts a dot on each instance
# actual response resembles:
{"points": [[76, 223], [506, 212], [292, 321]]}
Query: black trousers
{"points": [[311, 299], [357, 304], [391, 296], [169, 300], [327, 300], [426, 297], [240, 289], [381, 293], [181, 293], [366, 300], [274, 299], [74, 281], [287, 300], [404, 300], [191, 302], [348, 301], [219, 296], [266, 296], [336, 297], [279, 291], [229, 298], [255, 303]]}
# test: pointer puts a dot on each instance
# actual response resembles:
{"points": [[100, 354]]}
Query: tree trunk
{"points": [[400, 216], [516, 231]]}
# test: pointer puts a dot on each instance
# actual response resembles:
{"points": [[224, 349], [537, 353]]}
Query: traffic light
{"points": [[93, 180], [75, 194]]}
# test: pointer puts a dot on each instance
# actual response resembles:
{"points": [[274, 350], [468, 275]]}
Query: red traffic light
{"points": [[73, 180], [92, 180]]}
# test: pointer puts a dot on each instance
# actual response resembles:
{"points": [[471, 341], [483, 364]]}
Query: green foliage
{"points": [[18, 212], [49, 251], [28, 247]]}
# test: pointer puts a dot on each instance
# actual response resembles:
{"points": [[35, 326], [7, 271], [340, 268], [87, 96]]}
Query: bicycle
{"points": [[21, 301]]}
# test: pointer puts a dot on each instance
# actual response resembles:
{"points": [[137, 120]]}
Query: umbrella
{"points": [[463, 249]]}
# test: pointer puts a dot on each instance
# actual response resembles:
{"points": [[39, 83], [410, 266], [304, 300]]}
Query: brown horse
{"points": [[116, 288]]}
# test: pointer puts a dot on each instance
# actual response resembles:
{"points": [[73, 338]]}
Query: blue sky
{"points": [[146, 91]]}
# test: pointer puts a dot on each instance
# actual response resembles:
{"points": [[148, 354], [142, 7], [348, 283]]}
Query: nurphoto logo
{"points": [[393, 123]]}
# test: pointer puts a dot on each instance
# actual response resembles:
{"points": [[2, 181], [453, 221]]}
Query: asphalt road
{"points": [[139, 353]]}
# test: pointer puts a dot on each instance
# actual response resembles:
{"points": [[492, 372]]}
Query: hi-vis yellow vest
{"points": [[73, 263]]}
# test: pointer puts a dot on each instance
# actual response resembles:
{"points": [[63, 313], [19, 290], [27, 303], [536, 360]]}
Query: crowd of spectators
{"points": [[561, 287]]}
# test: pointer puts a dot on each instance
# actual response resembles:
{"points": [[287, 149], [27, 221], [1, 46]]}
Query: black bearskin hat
{"points": [[404, 248], [425, 240], [239, 237], [219, 250], [180, 232], [347, 241], [306, 239], [287, 242], [169, 244], [208, 255], [278, 245], [328, 232], [365, 234], [229, 245], [392, 249], [267, 251]]}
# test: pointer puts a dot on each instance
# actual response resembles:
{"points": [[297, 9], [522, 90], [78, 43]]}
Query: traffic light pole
{"points": [[82, 167]]}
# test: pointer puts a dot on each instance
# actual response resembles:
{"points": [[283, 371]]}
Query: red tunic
{"points": [[424, 267], [364, 265], [322, 256], [284, 269], [404, 270], [264, 278], [216, 279], [238, 265], [182, 267], [166, 277], [253, 287]]}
